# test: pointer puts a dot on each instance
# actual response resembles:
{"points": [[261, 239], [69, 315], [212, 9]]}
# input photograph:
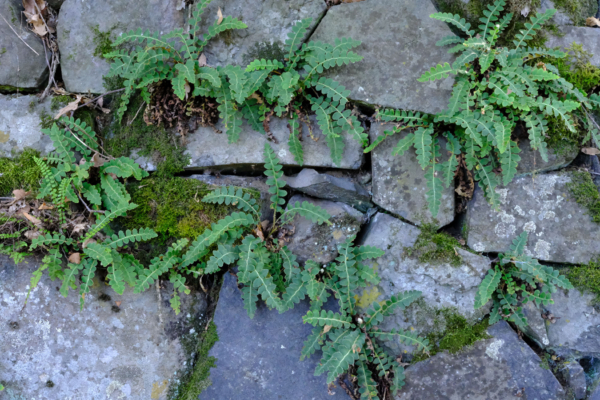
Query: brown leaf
{"points": [[75, 258], [72, 106], [327, 328], [20, 194], [202, 60], [118, 303], [33, 219], [256, 97], [590, 151], [32, 234], [45, 206], [220, 15], [591, 21], [85, 244], [79, 228], [98, 160]]}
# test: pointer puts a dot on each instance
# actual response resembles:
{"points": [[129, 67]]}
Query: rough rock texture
{"points": [[20, 125], [580, 10], [93, 354], [595, 395], [500, 368], [442, 284], [19, 66], [259, 358], [532, 163], [208, 149], [399, 183], [319, 242], [560, 230], [79, 26], [328, 187], [269, 22], [398, 45], [574, 375], [536, 328], [588, 37], [249, 182], [577, 327]]}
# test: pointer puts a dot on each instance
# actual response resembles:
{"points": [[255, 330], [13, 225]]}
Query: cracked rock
{"points": [[586, 36], [536, 325], [575, 377], [532, 163]]}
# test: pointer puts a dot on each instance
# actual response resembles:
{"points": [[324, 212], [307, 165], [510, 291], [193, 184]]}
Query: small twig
{"points": [[136, 114], [86, 206], [36, 53], [102, 95]]}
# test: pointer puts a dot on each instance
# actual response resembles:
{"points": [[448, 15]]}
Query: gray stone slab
{"points": [[577, 326], [398, 46], [536, 325], [442, 285], [79, 23], [399, 183], [575, 377], [579, 11], [260, 358], [560, 230], [97, 353], [319, 243], [586, 36], [251, 182], [269, 22], [20, 67], [328, 187], [532, 163], [209, 149], [500, 368], [20, 125]]}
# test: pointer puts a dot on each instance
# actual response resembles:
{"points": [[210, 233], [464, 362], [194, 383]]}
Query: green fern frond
{"points": [[70, 278], [532, 27], [367, 386], [404, 337], [274, 181], [294, 143], [323, 318], [229, 195], [437, 72], [455, 20], [50, 240], [487, 287], [377, 311], [128, 236]]}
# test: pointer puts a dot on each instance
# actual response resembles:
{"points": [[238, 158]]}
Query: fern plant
{"points": [[496, 89], [173, 56], [516, 280]]}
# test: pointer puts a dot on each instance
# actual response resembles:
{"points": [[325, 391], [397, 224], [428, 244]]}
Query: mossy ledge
{"points": [[20, 172], [435, 247], [586, 193]]}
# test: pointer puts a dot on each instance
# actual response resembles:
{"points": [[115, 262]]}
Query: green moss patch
{"points": [[577, 10], [102, 42], [577, 69], [585, 192], [586, 278], [20, 172], [435, 247]]}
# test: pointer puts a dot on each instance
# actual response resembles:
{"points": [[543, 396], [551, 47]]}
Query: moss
{"points": [[102, 42], [59, 102], [577, 69], [435, 247], [7, 89], [458, 334], [577, 10], [562, 140], [20, 172], [585, 192], [198, 379], [266, 50], [586, 278]]}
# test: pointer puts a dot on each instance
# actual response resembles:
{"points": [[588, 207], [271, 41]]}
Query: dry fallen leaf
{"points": [[72, 106], [327, 328], [257, 97], [118, 303], [85, 244], [79, 228], [32, 234], [32, 219], [98, 160], [20, 194], [590, 151], [75, 258], [220, 15], [202, 60], [591, 21], [45, 206]]}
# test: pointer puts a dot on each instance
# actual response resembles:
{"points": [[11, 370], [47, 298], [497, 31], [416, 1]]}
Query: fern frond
{"points": [[124, 167], [423, 145], [377, 311], [487, 287], [509, 162], [367, 386], [317, 63], [294, 143], [332, 89], [296, 36], [491, 16], [263, 282], [455, 20], [295, 293], [118, 211], [532, 27], [312, 344], [487, 179], [70, 278], [99, 252], [347, 352], [229, 195], [307, 210], [405, 337], [452, 39], [437, 72], [323, 318], [224, 255], [404, 144], [49, 239], [557, 108], [128, 236], [274, 181]]}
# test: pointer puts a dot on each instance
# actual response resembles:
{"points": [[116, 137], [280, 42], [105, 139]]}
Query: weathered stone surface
{"points": [[578, 11], [532, 163], [328, 187], [20, 118], [536, 325], [500, 368], [79, 26], [249, 182], [259, 358], [586, 36], [134, 353], [19, 66], [595, 395], [320, 242], [574, 375], [208, 149], [442, 285], [399, 183], [398, 46], [577, 326], [560, 230], [269, 23]]}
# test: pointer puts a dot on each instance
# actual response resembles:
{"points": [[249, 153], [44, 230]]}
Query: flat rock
{"points": [[328, 187], [258, 183], [577, 327], [586, 36], [560, 230], [319, 243], [260, 358], [499, 368], [575, 377], [442, 285], [399, 183], [398, 46], [20, 67], [532, 163], [580, 10], [269, 23], [95, 353], [536, 325], [20, 119], [79, 26], [209, 149]]}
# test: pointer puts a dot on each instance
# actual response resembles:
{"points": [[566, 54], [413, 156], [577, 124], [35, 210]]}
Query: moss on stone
{"points": [[577, 69], [562, 140], [102, 42], [266, 50], [20, 172], [577, 10], [586, 278], [435, 247], [585, 193]]}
